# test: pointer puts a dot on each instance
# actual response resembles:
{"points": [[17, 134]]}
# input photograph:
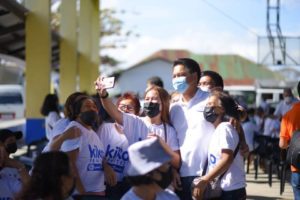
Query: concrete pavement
{"points": [[259, 189]]}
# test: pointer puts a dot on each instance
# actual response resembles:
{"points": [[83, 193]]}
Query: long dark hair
{"points": [[45, 181], [228, 103], [50, 104], [68, 107]]}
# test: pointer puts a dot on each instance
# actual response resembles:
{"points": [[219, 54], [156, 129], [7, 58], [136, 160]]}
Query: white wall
{"points": [[135, 79]]}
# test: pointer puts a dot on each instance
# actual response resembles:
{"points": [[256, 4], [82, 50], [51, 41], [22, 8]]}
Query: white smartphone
{"points": [[108, 82]]}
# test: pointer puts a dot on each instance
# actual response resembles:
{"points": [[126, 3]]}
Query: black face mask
{"points": [[209, 114], [151, 109], [11, 148], [166, 178], [90, 118]]}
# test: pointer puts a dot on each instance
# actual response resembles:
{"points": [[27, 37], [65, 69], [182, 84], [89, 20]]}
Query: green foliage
{"points": [[112, 32]]}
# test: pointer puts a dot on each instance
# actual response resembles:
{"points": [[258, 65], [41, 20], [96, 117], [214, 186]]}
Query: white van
{"points": [[12, 104]]}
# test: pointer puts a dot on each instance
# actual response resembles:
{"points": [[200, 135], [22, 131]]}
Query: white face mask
{"points": [[205, 88]]}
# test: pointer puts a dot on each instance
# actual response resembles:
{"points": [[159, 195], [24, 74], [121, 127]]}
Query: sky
{"points": [[200, 26]]}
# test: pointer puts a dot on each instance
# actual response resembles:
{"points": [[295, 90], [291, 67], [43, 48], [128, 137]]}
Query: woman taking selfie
{"points": [[155, 123]]}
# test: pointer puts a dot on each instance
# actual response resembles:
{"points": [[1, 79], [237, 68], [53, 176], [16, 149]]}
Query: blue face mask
{"points": [[180, 84]]}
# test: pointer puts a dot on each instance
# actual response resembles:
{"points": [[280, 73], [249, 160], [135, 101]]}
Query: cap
{"points": [[6, 133], [146, 156]]}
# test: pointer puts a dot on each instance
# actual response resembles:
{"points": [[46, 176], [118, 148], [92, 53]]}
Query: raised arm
{"points": [[71, 133], [107, 103]]}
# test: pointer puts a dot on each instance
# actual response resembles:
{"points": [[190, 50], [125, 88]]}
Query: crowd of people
{"points": [[172, 148]]}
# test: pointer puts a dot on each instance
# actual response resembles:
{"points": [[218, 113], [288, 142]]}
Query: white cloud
{"points": [[201, 41], [109, 3]]}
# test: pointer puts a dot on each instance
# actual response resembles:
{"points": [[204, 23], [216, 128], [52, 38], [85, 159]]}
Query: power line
{"points": [[231, 18]]}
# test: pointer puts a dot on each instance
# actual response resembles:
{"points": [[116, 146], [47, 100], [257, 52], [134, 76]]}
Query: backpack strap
{"points": [[206, 162], [165, 131]]}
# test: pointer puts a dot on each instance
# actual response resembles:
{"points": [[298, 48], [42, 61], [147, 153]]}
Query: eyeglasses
{"points": [[124, 107]]}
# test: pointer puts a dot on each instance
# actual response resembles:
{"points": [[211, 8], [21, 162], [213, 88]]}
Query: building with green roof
{"points": [[240, 74]]}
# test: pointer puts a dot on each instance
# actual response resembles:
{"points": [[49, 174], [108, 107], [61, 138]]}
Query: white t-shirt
{"points": [[283, 107], [226, 137], [163, 195], [193, 133], [137, 129], [50, 121], [249, 131], [115, 145], [272, 127], [89, 160], [10, 183], [59, 127]]}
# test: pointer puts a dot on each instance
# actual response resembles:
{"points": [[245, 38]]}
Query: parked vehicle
{"points": [[12, 105]]}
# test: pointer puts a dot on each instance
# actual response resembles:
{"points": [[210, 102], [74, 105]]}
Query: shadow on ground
{"points": [[253, 197]]}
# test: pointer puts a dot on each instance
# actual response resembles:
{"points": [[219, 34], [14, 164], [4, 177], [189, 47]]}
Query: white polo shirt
{"points": [[193, 133]]}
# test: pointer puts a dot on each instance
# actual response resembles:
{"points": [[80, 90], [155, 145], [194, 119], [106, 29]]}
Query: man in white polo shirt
{"points": [[193, 131]]}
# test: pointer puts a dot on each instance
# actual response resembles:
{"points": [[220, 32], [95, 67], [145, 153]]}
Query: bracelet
{"points": [[105, 96]]}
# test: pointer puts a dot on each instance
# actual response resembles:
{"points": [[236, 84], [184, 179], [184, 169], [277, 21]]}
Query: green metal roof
{"points": [[234, 69]]}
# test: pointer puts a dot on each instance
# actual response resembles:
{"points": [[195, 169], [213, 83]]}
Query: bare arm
{"points": [[71, 133], [109, 174], [244, 149], [107, 103], [73, 157], [220, 168], [283, 143], [20, 167]]}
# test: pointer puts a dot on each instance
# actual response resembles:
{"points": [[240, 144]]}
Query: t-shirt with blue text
{"points": [[226, 137], [90, 156], [115, 145]]}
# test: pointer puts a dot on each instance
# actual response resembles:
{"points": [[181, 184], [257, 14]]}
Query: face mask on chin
{"points": [[180, 84]]}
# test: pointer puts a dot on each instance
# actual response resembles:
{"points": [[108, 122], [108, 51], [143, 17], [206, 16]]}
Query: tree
{"points": [[112, 33]]}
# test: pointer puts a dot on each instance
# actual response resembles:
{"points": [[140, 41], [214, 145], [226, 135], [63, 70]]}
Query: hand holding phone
{"points": [[105, 82], [108, 82]]}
